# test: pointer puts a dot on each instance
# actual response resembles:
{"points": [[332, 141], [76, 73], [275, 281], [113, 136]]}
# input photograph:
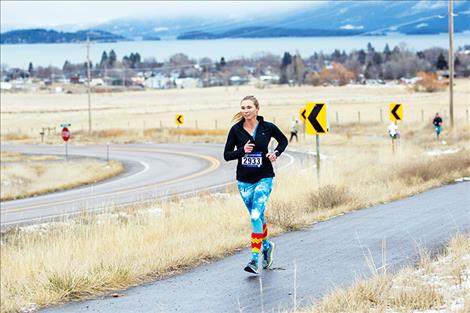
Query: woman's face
{"points": [[249, 110]]}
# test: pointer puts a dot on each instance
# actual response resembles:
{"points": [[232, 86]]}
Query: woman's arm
{"points": [[281, 140], [230, 144]]}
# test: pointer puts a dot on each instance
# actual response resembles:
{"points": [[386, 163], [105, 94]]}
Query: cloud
{"points": [[351, 27], [160, 29], [55, 13]]}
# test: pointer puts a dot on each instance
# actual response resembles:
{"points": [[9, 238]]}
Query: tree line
{"points": [[338, 67]]}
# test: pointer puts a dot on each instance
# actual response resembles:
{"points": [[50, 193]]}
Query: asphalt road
{"points": [[151, 171], [308, 264]]}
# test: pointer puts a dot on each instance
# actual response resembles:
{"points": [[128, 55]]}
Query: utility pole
{"points": [[88, 81], [451, 63]]}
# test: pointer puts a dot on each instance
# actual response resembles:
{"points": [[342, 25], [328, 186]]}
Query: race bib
{"points": [[252, 160]]}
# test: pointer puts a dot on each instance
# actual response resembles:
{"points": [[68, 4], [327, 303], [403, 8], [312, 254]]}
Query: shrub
{"points": [[429, 83], [329, 197]]}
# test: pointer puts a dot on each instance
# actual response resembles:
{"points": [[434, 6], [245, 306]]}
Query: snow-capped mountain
{"points": [[366, 17]]}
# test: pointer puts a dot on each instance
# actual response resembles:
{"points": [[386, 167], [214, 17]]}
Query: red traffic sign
{"points": [[65, 133]]}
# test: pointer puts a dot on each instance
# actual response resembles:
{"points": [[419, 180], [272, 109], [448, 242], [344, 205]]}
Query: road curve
{"points": [[308, 264], [152, 171]]}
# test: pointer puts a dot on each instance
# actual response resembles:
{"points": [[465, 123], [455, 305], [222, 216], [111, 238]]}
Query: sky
{"points": [[79, 14]]}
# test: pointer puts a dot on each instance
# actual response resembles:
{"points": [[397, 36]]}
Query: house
{"points": [[159, 81], [188, 82]]}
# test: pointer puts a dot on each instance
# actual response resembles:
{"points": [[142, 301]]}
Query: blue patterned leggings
{"points": [[255, 196]]}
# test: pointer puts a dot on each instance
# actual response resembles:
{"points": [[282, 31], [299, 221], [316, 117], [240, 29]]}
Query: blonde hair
{"points": [[239, 116]]}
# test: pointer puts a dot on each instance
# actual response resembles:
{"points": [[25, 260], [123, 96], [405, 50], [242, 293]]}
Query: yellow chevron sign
{"points": [[179, 119], [302, 112], [396, 112], [316, 118]]}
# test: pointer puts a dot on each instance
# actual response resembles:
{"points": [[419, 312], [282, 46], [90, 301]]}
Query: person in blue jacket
{"points": [[437, 122], [248, 142]]}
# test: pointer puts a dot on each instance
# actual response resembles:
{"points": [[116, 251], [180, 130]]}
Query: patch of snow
{"points": [[351, 27], [436, 152], [156, 211], [160, 29]]}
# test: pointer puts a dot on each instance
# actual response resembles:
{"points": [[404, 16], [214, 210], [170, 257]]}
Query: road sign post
{"points": [[317, 137], [316, 123], [303, 117], [396, 112], [65, 136], [396, 115], [179, 120]]}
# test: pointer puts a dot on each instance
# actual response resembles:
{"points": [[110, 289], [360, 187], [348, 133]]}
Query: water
{"points": [[56, 54]]}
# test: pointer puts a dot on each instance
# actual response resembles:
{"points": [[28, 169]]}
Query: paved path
{"points": [[152, 171], [308, 263]]}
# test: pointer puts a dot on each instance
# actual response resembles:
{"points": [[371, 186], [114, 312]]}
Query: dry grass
{"points": [[26, 179], [16, 137], [7, 156], [429, 83], [132, 246], [198, 132], [48, 267], [213, 108], [430, 286]]}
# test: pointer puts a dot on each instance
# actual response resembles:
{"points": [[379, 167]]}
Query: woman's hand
{"points": [[272, 156], [248, 147]]}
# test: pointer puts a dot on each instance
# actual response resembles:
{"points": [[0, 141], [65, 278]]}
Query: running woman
{"points": [[248, 142], [437, 122]]}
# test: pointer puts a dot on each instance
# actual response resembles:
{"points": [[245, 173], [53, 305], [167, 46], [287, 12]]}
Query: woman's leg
{"points": [[260, 198], [247, 192]]}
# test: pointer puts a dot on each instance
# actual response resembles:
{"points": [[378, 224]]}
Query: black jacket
{"points": [[238, 137]]}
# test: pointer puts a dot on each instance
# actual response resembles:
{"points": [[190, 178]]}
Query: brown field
{"points": [[120, 248], [46, 267], [135, 112], [32, 175]]}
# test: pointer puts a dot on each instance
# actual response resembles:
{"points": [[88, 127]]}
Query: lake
{"points": [[55, 54]]}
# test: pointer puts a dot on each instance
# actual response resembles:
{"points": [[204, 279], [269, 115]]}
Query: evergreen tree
{"points": [[377, 59], [104, 59], [30, 69], [387, 52], [112, 58], [344, 56], [137, 57], [66, 67], [286, 60], [336, 56], [441, 63], [361, 57]]}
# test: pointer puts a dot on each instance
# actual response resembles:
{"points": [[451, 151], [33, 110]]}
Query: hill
{"points": [[39, 35]]}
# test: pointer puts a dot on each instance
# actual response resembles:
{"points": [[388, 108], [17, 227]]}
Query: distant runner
{"points": [[393, 130], [294, 129], [250, 136], [437, 122]]}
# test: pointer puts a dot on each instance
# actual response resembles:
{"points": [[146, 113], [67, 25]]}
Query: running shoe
{"points": [[252, 267], [268, 255]]}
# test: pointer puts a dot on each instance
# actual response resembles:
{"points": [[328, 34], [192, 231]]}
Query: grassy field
{"points": [[95, 254], [138, 114], [26, 176], [438, 284]]}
